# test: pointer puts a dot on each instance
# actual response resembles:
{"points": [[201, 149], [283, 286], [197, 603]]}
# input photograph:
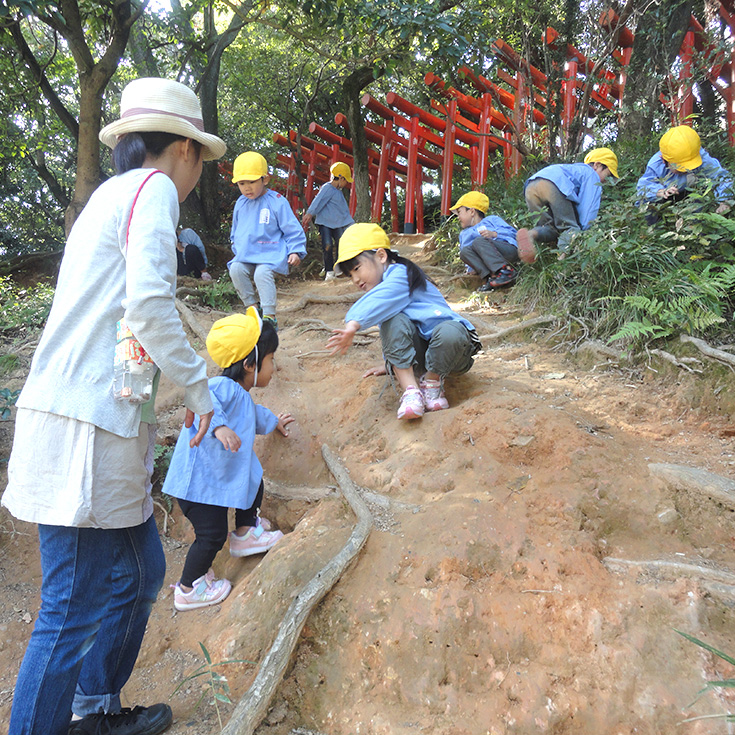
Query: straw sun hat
{"points": [[158, 105]]}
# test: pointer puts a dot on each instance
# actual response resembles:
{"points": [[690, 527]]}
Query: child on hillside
{"points": [[266, 236], [487, 244], [568, 197], [418, 330], [680, 162], [224, 472], [332, 215]]}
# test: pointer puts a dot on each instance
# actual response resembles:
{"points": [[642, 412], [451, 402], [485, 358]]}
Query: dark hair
{"points": [[132, 148], [267, 344], [481, 213], [416, 277]]}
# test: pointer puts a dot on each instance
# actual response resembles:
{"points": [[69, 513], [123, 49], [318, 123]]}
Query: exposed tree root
{"points": [[600, 348], [700, 482], [709, 351], [253, 706], [191, 321], [718, 582], [311, 298], [536, 321], [680, 362]]}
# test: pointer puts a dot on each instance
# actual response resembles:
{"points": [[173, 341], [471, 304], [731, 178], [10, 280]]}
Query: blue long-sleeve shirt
{"points": [[330, 209], [425, 307], [658, 175], [579, 183], [265, 230], [210, 473], [491, 222]]}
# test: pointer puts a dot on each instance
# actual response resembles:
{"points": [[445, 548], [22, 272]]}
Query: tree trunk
{"points": [[658, 39], [352, 88]]}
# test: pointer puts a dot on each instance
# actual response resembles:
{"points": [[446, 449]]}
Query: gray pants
{"points": [[449, 350], [243, 275], [558, 219], [487, 257]]}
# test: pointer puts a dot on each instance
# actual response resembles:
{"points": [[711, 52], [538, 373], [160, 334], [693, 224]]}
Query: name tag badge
{"points": [[265, 216]]}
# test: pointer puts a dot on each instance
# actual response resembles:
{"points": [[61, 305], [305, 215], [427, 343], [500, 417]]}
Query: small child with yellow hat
{"points": [[266, 237], [332, 215], [487, 243], [567, 197], [223, 471], [423, 339], [679, 164]]}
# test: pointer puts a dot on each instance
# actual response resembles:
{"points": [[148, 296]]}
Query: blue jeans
{"points": [[98, 589], [330, 244]]}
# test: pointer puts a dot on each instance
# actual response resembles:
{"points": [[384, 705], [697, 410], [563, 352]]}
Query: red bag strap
{"points": [[137, 194]]}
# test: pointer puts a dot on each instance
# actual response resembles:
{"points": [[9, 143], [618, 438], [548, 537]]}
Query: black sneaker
{"points": [[506, 276], [137, 721]]}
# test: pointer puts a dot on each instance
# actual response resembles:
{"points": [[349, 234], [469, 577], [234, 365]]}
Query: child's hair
{"points": [[416, 277], [131, 150], [267, 344]]}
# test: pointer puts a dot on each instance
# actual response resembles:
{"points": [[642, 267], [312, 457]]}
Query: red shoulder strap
{"points": [[137, 194]]}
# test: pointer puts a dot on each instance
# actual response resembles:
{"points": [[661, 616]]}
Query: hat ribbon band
{"points": [[196, 122]]}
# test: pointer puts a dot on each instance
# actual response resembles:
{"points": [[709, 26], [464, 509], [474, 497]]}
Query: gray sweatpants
{"points": [[487, 257], [243, 275], [449, 351], [558, 219]]}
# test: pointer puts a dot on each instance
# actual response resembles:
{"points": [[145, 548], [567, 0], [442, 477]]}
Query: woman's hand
{"points": [[293, 260], [284, 419], [380, 370], [204, 420], [341, 339], [230, 440]]}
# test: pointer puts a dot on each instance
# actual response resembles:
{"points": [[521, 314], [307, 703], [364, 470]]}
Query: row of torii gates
{"points": [[462, 130]]}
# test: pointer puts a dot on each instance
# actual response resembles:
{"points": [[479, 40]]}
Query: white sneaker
{"points": [[256, 541], [205, 591], [330, 276], [433, 393], [412, 404]]}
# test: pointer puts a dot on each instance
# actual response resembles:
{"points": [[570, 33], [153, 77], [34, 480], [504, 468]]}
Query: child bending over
{"points": [[418, 330], [266, 237], [568, 197], [487, 244], [224, 472], [331, 213]]}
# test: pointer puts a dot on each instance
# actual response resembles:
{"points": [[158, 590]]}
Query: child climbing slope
{"points": [[418, 330], [224, 472]]}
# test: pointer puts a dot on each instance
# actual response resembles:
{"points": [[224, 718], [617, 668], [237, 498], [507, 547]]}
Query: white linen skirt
{"points": [[65, 472]]}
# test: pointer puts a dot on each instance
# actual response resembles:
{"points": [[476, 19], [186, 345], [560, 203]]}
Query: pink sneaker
{"points": [[256, 541], [433, 393], [526, 246], [205, 591], [412, 404]]}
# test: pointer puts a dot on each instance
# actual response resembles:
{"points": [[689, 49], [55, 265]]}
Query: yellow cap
{"points": [[358, 238], [473, 200], [249, 166], [604, 156], [233, 338], [680, 146], [341, 169]]}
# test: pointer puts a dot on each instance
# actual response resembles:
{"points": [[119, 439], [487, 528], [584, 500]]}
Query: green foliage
{"points": [[7, 401], [216, 685], [219, 294], [23, 307], [714, 684], [8, 363]]}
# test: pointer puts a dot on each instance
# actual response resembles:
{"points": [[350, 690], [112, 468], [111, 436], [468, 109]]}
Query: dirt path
{"points": [[483, 607]]}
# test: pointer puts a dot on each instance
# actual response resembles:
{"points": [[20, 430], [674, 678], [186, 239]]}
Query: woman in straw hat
{"points": [[82, 460]]}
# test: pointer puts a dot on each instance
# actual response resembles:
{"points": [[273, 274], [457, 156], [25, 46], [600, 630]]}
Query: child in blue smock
{"points": [[223, 471], [568, 197], [332, 215], [679, 164], [266, 236], [487, 244], [418, 330]]}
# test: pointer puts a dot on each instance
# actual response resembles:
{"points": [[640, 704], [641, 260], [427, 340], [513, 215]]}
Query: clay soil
{"points": [[480, 604]]}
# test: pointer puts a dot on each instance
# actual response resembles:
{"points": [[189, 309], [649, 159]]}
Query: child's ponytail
{"points": [[416, 277]]}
